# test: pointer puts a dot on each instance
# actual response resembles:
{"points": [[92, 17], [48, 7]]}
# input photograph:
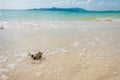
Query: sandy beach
{"points": [[69, 53]]}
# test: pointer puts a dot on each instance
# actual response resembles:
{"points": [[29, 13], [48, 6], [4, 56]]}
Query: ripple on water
{"points": [[96, 41]]}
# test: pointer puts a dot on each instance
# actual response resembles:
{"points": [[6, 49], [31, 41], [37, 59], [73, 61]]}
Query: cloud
{"points": [[86, 4], [88, 1], [73, 2], [90, 4], [103, 5]]}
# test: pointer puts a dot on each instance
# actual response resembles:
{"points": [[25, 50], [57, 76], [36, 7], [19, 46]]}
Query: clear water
{"points": [[8, 15]]}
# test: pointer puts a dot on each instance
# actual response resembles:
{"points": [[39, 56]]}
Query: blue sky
{"points": [[86, 4]]}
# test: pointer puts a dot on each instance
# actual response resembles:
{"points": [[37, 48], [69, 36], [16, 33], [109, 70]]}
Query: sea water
{"points": [[37, 18], [6, 15]]}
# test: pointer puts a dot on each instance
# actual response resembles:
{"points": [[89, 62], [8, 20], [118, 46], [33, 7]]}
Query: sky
{"points": [[86, 4]]}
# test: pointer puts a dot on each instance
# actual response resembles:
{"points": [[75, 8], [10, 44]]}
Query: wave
{"points": [[61, 24]]}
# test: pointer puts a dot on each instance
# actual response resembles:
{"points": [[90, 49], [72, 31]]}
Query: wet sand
{"points": [[69, 53]]}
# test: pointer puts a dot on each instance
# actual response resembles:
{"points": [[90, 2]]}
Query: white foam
{"points": [[3, 59], [20, 55], [96, 42], [48, 52], [115, 51], [100, 41], [63, 50], [76, 43], [82, 54], [4, 77], [3, 70], [91, 43], [12, 66], [54, 23]]}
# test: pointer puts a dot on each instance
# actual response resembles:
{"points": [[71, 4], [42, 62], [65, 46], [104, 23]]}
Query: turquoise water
{"points": [[6, 15]]}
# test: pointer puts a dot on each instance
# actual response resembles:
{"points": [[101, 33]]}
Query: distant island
{"points": [[58, 9]]}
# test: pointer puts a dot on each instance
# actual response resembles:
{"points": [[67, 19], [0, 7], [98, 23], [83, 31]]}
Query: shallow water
{"points": [[8, 15], [95, 43]]}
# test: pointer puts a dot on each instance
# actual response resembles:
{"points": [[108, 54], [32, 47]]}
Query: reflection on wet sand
{"points": [[69, 54]]}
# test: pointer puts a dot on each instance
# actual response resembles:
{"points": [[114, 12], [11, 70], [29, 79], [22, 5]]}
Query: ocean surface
{"points": [[11, 15], [33, 18]]}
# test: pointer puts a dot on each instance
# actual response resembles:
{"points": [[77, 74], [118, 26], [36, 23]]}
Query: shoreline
{"points": [[99, 23]]}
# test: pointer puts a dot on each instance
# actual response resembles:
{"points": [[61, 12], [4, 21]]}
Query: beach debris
{"points": [[36, 56]]}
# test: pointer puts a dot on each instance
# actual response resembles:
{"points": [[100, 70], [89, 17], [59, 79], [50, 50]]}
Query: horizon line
{"points": [[57, 7]]}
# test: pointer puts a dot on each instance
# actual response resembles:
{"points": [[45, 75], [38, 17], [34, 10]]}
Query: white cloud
{"points": [[73, 2], [86, 4], [88, 1], [89, 4]]}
